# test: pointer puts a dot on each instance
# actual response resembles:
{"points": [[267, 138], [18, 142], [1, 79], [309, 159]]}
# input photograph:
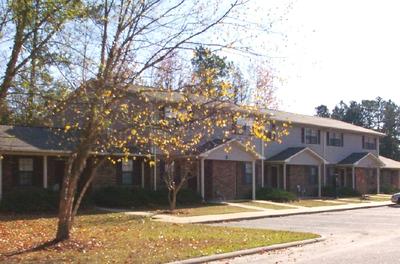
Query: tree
{"points": [[32, 24], [127, 40], [322, 111], [339, 111]]}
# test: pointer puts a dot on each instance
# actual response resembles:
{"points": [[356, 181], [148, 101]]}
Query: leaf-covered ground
{"points": [[117, 238]]}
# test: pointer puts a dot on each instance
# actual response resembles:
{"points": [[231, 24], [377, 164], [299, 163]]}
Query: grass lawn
{"points": [[119, 238], [379, 198], [314, 203], [210, 209], [267, 206]]}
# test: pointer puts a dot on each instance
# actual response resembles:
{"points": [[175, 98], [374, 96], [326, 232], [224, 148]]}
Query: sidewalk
{"points": [[263, 214]]}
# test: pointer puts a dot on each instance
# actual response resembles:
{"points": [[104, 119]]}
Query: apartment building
{"points": [[318, 152]]}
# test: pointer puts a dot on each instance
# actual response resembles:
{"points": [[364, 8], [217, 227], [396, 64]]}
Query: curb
{"points": [[245, 252], [281, 215]]}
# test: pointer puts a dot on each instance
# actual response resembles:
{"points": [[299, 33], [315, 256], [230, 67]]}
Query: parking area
{"points": [[355, 236]]}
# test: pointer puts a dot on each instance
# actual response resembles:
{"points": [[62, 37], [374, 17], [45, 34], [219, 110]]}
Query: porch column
{"points": [[1, 176], [202, 178], [319, 180], [378, 180], [262, 163], [254, 180], [142, 174], [198, 176], [353, 177], [284, 176], [155, 174], [45, 172], [262, 173], [324, 170]]}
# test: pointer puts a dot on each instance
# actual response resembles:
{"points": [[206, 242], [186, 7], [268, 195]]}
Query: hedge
{"points": [[275, 195]]}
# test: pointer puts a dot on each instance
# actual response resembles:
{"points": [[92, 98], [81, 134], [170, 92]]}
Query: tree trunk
{"points": [[172, 199], [74, 169]]}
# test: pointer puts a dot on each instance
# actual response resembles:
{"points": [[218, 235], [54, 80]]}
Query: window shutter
{"points": [[342, 141], [319, 137], [327, 138], [376, 145], [302, 135], [363, 141]]}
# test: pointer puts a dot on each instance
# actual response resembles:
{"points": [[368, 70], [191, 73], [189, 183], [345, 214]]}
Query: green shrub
{"points": [[276, 195], [30, 200], [114, 196], [330, 191], [387, 189], [188, 196]]}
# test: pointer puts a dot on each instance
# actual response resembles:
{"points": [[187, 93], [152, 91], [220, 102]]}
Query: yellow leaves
{"points": [[107, 93], [67, 127], [133, 132], [152, 163]]}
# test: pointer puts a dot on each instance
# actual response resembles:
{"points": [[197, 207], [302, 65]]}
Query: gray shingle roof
{"points": [[389, 163], [33, 139], [319, 122], [353, 158], [287, 153], [163, 95]]}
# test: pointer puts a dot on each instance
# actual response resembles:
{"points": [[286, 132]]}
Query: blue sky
{"points": [[335, 50]]}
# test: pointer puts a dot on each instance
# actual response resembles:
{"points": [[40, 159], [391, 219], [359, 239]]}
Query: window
{"points": [[25, 171], [310, 136], [368, 142], [334, 139], [243, 127], [313, 176], [127, 170], [272, 132], [248, 173]]}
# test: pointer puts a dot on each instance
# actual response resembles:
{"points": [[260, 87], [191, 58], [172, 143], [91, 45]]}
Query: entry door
{"points": [[274, 176]]}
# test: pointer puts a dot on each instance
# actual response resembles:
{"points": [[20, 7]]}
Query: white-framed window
{"points": [[369, 142], [311, 136], [334, 139], [243, 126], [127, 172], [248, 173], [25, 171]]}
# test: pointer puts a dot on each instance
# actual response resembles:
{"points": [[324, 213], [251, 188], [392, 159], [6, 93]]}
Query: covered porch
{"points": [[228, 171], [298, 170], [360, 171]]}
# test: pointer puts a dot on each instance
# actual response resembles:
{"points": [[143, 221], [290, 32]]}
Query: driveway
{"points": [[357, 236]]}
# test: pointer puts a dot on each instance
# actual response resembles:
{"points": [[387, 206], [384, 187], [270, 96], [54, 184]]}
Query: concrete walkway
{"points": [[263, 213]]}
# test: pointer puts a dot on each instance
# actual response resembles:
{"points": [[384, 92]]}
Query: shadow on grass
{"points": [[9, 216], [35, 248]]}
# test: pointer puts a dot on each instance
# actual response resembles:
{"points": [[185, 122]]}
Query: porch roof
{"points": [[217, 147], [33, 139], [356, 158], [389, 163], [44, 140], [289, 153]]}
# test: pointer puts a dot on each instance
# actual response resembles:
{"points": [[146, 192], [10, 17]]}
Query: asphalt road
{"points": [[358, 236]]}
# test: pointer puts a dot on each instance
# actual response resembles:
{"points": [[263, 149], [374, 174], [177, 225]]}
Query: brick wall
{"points": [[389, 178], [366, 181], [106, 175], [223, 179], [299, 175]]}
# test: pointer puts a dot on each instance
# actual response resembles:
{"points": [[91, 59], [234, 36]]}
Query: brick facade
{"points": [[300, 176], [389, 179], [366, 180]]}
